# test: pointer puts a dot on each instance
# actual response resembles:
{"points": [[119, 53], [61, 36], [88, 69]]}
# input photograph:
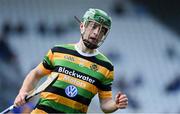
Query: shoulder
{"points": [[102, 57], [105, 59]]}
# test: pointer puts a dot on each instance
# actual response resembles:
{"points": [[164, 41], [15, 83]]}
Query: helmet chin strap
{"points": [[86, 42], [89, 45]]}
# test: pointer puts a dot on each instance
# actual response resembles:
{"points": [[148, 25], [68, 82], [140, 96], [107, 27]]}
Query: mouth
{"points": [[93, 40]]}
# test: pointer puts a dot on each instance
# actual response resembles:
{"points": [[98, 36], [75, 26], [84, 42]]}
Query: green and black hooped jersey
{"points": [[80, 79]]}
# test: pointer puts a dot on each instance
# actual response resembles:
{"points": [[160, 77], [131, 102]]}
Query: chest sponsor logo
{"points": [[74, 81], [69, 58], [71, 91], [76, 74]]}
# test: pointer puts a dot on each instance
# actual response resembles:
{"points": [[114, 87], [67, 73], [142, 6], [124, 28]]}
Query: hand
{"points": [[20, 99], [121, 100]]}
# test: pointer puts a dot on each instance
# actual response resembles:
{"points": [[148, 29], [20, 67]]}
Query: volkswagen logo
{"points": [[71, 91]]}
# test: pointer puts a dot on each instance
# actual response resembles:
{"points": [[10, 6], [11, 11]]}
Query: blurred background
{"points": [[143, 45]]}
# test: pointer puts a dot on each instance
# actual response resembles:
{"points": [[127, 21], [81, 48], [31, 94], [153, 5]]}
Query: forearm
{"points": [[30, 81], [108, 106]]}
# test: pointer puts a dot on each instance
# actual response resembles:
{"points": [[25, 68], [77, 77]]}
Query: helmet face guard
{"points": [[101, 35], [96, 18]]}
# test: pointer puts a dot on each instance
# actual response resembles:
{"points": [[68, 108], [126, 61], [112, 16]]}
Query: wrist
{"points": [[116, 106], [23, 91]]}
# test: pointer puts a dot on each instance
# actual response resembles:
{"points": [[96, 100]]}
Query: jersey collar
{"points": [[85, 54]]}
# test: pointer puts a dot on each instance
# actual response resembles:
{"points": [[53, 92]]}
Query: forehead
{"points": [[96, 24]]}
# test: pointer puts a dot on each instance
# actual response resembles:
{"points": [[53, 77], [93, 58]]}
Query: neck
{"points": [[84, 49]]}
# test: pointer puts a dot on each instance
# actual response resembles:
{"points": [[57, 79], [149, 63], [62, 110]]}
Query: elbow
{"points": [[37, 73], [105, 110]]}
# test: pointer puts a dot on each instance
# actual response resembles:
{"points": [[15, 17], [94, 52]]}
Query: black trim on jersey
{"points": [[92, 59], [105, 87], [61, 92], [97, 82], [46, 65], [48, 109]]}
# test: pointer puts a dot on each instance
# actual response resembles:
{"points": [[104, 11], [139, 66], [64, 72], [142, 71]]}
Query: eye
{"points": [[94, 26], [104, 30]]}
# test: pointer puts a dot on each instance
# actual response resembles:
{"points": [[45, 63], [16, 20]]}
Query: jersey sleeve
{"points": [[106, 90], [46, 65]]}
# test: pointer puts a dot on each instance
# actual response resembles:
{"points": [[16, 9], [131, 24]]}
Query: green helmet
{"points": [[98, 16]]}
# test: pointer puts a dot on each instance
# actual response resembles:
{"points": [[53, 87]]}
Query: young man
{"points": [[83, 72]]}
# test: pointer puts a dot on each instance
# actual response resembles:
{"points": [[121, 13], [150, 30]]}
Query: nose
{"points": [[96, 31]]}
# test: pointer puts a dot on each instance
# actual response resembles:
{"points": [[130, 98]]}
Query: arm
{"points": [[29, 83], [33, 77], [108, 105]]}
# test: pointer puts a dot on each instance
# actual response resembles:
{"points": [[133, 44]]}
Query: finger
{"points": [[122, 103], [123, 96], [19, 101], [17, 104], [23, 99], [122, 106], [119, 94], [123, 100]]}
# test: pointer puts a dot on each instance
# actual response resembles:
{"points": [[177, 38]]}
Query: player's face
{"points": [[94, 34]]}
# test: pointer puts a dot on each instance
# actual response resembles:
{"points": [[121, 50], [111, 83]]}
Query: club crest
{"points": [[94, 67]]}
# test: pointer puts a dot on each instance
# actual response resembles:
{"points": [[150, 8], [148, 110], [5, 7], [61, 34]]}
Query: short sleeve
{"points": [[105, 91], [46, 65]]}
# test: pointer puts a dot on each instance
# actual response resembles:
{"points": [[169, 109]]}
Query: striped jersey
{"points": [[80, 79]]}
